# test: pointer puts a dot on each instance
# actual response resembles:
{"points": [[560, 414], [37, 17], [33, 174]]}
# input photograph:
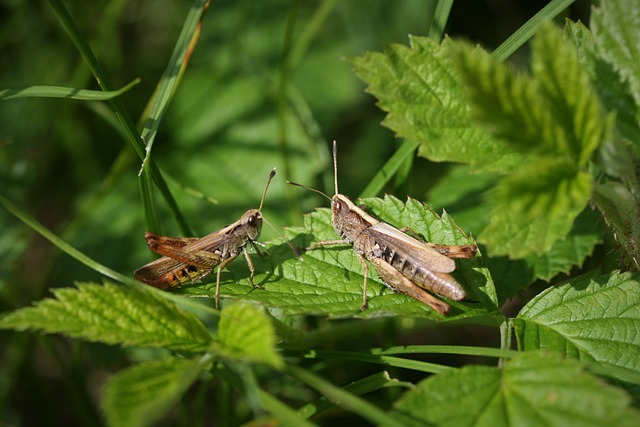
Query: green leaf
{"points": [[328, 281], [554, 117], [421, 91], [615, 26], [64, 92], [532, 212], [595, 318], [113, 314], [513, 275], [245, 332], [530, 390], [141, 395], [570, 252]]}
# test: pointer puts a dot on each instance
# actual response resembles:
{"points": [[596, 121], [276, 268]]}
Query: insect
{"points": [[188, 259], [405, 264]]}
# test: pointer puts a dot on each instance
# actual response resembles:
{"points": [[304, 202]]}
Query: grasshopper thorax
{"points": [[348, 219]]}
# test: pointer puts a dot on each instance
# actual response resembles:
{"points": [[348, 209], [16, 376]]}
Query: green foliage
{"points": [[544, 153], [113, 314], [531, 389], [246, 333], [593, 317]]}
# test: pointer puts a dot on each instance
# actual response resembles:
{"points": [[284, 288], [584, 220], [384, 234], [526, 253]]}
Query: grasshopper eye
{"points": [[254, 219]]}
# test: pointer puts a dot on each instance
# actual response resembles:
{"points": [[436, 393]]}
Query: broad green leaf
{"points": [[569, 252], [533, 212], [142, 394], [513, 275], [328, 281], [555, 117], [64, 92], [112, 314], [245, 332], [530, 390], [421, 91], [594, 318], [615, 25]]}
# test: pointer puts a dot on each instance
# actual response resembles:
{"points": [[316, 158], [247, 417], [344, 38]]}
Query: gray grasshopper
{"points": [[405, 264], [188, 259]]}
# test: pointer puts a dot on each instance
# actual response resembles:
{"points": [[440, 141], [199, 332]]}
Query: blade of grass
{"points": [[439, 20], [64, 246], [64, 92], [269, 403], [447, 349], [120, 111], [389, 169], [91, 263], [361, 387], [172, 75], [526, 31], [379, 359], [345, 399]]}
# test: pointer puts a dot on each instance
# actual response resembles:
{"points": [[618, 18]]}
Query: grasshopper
{"points": [[188, 259], [405, 264]]}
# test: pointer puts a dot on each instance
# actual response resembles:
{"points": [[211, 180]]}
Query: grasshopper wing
{"points": [[412, 250]]}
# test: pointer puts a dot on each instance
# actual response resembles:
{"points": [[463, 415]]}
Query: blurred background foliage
{"points": [[264, 88]]}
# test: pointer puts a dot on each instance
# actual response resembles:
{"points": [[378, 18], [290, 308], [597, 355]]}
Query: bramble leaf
{"points": [[531, 389], [113, 314], [555, 118], [328, 281], [141, 395], [593, 317], [421, 91]]}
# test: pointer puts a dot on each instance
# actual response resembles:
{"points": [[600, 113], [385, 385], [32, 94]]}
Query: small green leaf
{"points": [[245, 332], [113, 314], [328, 281], [64, 92], [615, 26], [591, 318], [141, 395], [531, 390], [421, 91]]}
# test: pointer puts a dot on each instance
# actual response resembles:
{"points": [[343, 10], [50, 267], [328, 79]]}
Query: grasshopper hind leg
{"points": [[397, 282]]}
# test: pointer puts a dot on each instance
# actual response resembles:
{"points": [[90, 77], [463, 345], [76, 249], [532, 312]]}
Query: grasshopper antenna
{"points": [[308, 188], [335, 167], [264, 193], [271, 175]]}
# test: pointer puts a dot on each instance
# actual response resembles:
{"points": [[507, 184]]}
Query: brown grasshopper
{"points": [[188, 259], [405, 264]]}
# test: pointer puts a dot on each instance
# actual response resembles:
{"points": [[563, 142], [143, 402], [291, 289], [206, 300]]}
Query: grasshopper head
{"points": [[347, 218], [251, 221]]}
